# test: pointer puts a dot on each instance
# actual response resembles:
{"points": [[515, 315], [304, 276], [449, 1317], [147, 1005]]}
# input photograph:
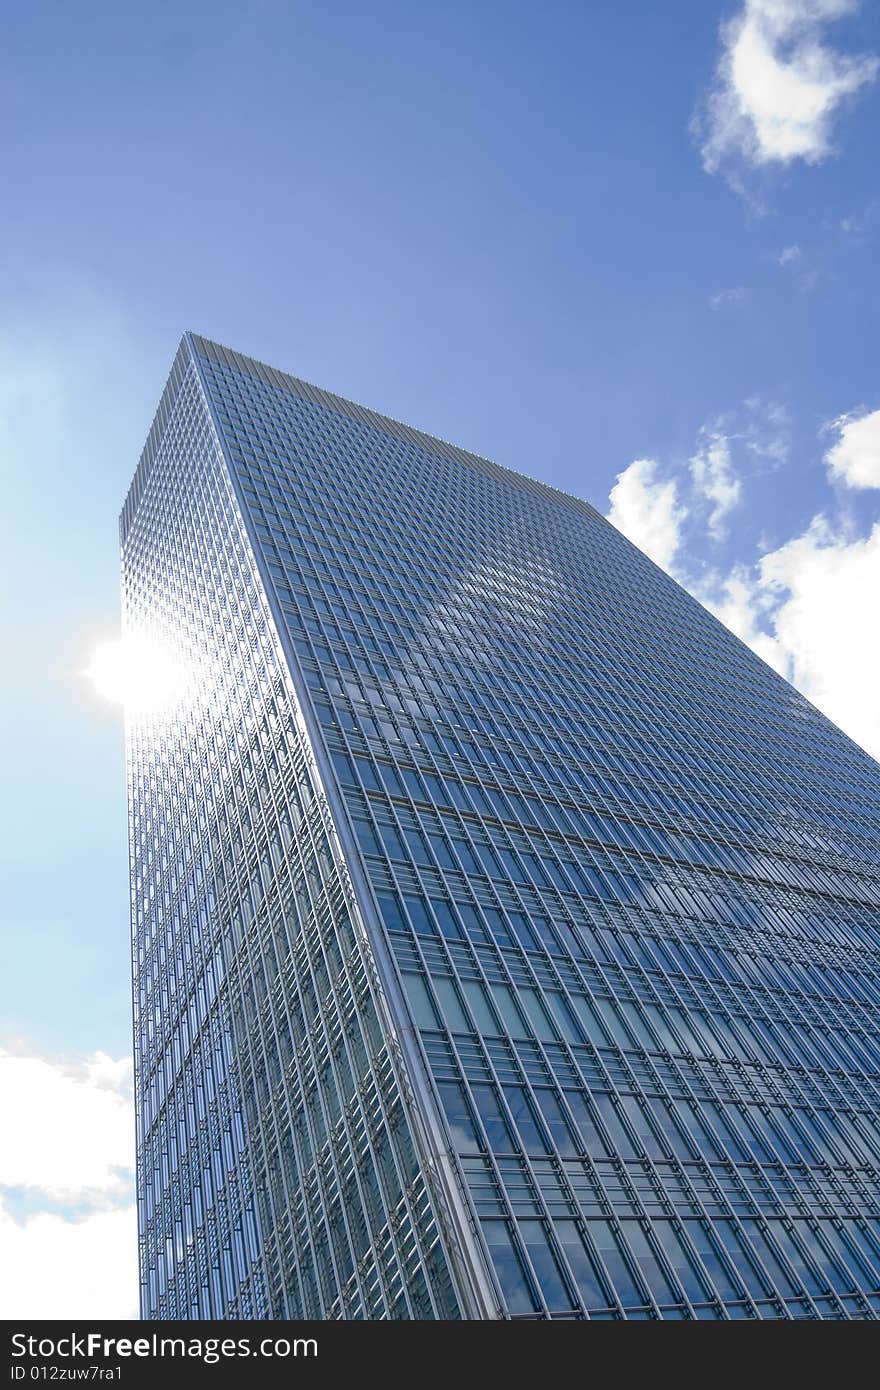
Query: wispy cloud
{"points": [[732, 296], [778, 86], [714, 479], [764, 426], [655, 502], [857, 226], [789, 255]]}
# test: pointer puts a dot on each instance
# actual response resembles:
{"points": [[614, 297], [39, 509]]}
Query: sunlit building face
{"points": [[504, 932]]}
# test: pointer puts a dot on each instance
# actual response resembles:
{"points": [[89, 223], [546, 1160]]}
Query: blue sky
{"points": [[628, 248]]}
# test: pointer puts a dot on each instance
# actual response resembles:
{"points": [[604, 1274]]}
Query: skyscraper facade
{"points": [[505, 933]]}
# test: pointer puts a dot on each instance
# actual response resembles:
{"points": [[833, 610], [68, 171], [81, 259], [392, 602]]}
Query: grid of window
{"points": [[618, 884]]}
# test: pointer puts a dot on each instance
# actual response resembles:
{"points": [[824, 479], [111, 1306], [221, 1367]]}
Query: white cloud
{"points": [[829, 587], [733, 296], [778, 85], [55, 1268], [713, 476], [66, 1160], [789, 255], [855, 458], [75, 1138], [805, 609], [646, 510]]}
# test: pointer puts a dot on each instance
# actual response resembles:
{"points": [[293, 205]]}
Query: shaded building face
{"points": [[505, 932]]}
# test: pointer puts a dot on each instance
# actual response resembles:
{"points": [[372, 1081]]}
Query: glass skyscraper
{"points": [[505, 933]]}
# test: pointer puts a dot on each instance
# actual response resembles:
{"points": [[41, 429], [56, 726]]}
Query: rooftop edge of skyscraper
{"points": [[195, 343]]}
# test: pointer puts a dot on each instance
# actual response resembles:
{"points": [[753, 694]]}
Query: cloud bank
{"points": [[68, 1228]]}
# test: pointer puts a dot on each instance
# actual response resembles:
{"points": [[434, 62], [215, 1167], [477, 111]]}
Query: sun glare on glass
{"points": [[138, 673]]}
